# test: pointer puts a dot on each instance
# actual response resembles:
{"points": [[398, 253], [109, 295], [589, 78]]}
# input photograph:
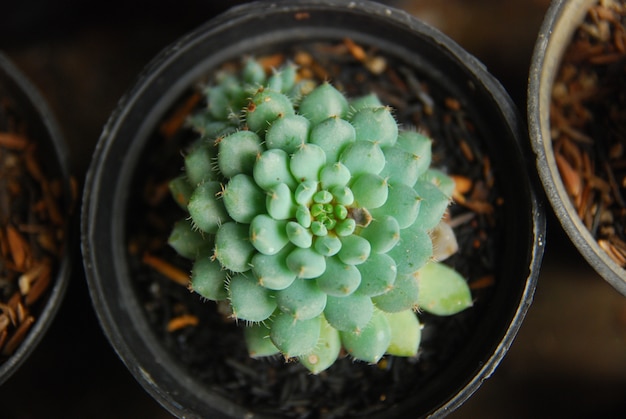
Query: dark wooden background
{"points": [[569, 359]]}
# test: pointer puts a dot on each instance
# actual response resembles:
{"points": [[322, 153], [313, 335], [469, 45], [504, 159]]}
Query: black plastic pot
{"points": [[264, 27], [54, 158], [561, 21]]}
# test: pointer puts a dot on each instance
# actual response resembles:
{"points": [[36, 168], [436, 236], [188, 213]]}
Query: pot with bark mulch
{"points": [[578, 127], [35, 204], [189, 353]]}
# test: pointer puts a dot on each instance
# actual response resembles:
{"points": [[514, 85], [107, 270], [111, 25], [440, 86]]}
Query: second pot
{"points": [[561, 21], [31, 118]]}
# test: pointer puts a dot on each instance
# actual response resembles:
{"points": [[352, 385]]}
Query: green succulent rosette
{"points": [[315, 217]]}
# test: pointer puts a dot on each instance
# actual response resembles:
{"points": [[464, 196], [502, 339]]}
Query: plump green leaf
{"points": [[354, 250], [208, 279], [206, 210], [299, 235], [433, 204], [233, 248], [279, 202], [403, 203], [303, 194], [400, 166], [443, 291], [265, 107], [339, 279], [350, 313], [249, 300], [306, 162], [181, 190], [238, 152], [333, 135], [419, 146], [438, 178], [406, 333], [243, 199], [271, 271], [370, 190], [288, 133], [323, 102], [376, 125], [306, 263], [271, 168], [295, 337], [253, 73], [413, 250], [378, 275], [367, 101], [363, 157], [268, 235], [199, 163], [403, 295], [328, 245], [334, 175], [371, 343], [325, 352], [383, 233], [188, 241], [303, 299], [258, 341]]}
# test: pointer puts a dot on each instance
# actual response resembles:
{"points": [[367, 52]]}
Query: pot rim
{"points": [[558, 26], [237, 16], [33, 101]]}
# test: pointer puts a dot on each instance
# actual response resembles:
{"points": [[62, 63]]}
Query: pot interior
{"points": [[128, 146]]}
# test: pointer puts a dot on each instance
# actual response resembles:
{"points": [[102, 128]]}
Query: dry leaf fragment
{"points": [[571, 179], [13, 141], [18, 336], [167, 269], [40, 285], [20, 251], [182, 321], [462, 184]]}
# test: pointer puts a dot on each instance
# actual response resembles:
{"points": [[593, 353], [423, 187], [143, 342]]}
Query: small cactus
{"points": [[314, 216]]}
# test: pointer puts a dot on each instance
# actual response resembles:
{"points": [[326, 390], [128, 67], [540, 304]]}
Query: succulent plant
{"points": [[316, 218]]}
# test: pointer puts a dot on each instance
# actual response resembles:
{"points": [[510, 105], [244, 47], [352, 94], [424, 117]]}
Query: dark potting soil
{"points": [[211, 346]]}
